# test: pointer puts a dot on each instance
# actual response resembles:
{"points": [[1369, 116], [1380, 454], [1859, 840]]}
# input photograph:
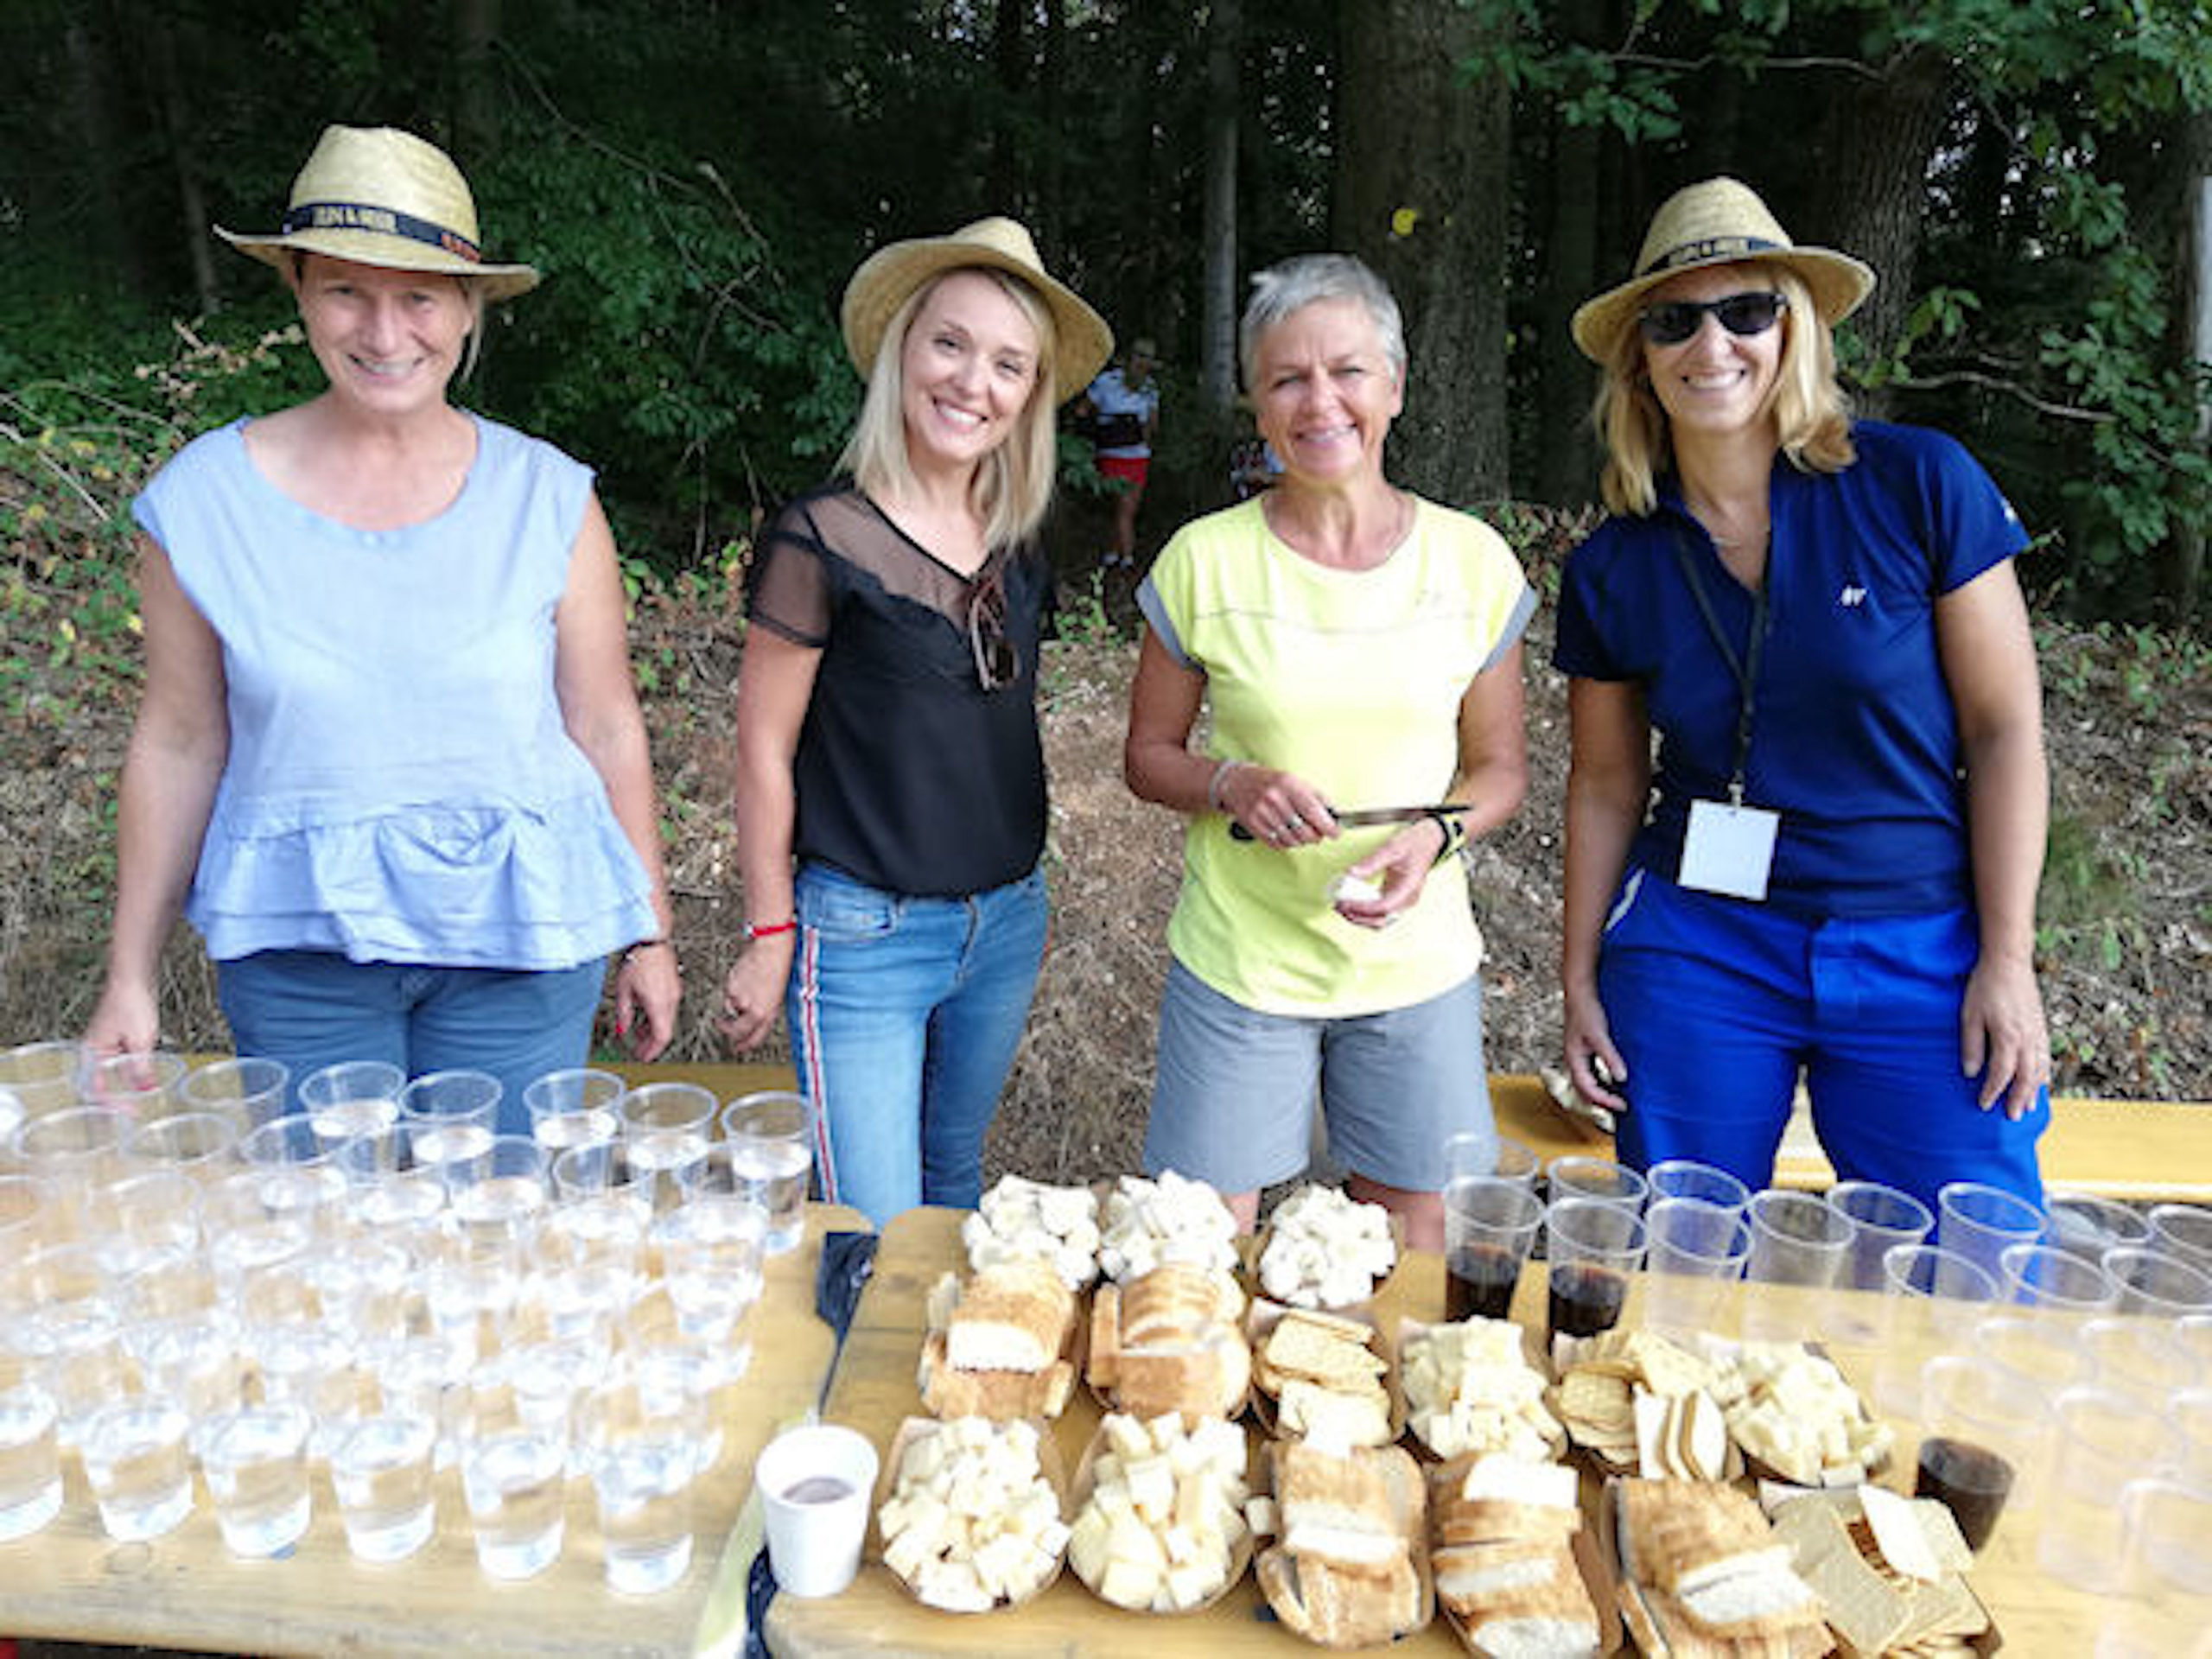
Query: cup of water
{"points": [[770, 1137], [256, 1462]]}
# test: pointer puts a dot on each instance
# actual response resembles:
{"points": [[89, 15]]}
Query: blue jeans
{"points": [[313, 1008], [1716, 1005], [904, 1014]]}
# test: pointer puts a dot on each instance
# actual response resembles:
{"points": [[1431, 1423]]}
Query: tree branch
{"points": [[2010, 388]]}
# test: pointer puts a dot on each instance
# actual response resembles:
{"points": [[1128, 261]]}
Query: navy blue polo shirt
{"points": [[1855, 741]]}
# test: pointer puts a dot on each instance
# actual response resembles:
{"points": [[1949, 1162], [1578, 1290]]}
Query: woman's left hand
{"points": [[647, 988], [2002, 1036], [1401, 865]]}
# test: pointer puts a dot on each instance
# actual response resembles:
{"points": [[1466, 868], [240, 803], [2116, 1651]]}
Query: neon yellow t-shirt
{"points": [[1353, 681]]}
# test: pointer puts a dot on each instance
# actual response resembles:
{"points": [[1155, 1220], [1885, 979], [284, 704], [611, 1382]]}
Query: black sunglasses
{"points": [[997, 663], [1672, 322]]}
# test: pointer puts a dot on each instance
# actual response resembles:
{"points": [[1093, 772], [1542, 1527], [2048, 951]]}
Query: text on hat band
{"points": [[361, 216], [1712, 247]]}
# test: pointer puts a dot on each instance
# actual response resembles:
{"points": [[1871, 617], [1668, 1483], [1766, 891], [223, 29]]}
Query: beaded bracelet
{"points": [[1217, 782]]}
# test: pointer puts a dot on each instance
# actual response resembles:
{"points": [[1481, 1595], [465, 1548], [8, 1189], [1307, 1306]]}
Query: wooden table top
{"points": [[185, 1590], [873, 1388]]}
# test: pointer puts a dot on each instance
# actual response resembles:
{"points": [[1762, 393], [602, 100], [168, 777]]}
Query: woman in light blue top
{"points": [[389, 761]]}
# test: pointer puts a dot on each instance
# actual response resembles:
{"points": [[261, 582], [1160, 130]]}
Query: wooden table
{"points": [[185, 1590], [873, 1388]]}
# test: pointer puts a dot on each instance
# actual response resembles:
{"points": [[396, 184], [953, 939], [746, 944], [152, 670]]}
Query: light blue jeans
{"points": [[313, 1008], [904, 1014]]}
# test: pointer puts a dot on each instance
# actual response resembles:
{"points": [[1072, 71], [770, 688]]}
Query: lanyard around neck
{"points": [[1744, 669]]}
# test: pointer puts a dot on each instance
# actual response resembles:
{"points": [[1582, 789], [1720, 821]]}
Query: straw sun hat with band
{"points": [[379, 196], [889, 275], [1717, 222]]}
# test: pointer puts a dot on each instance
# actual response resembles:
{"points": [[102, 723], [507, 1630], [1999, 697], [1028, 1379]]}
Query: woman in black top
{"points": [[886, 721]]}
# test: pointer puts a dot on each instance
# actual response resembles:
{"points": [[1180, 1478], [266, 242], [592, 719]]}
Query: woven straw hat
{"points": [[379, 196], [1717, 223], [886, 276]]}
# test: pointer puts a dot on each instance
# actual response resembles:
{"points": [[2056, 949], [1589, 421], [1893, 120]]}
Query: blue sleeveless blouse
{"points": [[400, 786]]}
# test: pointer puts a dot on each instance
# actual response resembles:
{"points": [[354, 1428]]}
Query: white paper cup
{"points": [[815, 1484]]}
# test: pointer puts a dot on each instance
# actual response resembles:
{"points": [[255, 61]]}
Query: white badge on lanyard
{"points": [[1728, 849]]}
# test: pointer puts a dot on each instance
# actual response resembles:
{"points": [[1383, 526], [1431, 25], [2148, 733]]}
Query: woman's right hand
{"points": [[753, 994], [1590, 1037], [128, 1020], [1279, 808]]}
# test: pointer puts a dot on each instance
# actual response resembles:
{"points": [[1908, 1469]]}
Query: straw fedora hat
{"points": [[379, 196], [1716, 223], [889, 275]]}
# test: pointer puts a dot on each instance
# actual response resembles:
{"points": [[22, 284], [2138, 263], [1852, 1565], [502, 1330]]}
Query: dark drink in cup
{"points": [[1970, 1481], [1585, 1299], [1478, 1280]]}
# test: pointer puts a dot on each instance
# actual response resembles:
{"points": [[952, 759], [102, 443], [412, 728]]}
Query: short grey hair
{"points": [[1290, 285]]}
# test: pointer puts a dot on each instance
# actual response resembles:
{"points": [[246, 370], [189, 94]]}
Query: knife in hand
{"points": [[1371, 815]]}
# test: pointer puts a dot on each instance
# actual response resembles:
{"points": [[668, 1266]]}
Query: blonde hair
{"points": [[1012, 484], [1812, 416]]}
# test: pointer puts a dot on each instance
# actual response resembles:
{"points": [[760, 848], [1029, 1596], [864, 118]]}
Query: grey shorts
{"points": [[1234, 1090]]}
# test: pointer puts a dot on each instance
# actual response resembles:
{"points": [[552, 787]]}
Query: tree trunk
{"points": [[1218, 315], [1052, 202], [1010, 68], [1566, 463], [475, 116], [107, 225], [2182, 569], [152, 27], [1421, 195], [1882, 133]]}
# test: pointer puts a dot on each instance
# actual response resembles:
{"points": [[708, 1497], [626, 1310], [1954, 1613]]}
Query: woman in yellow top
{"points": [[1356, 648]]}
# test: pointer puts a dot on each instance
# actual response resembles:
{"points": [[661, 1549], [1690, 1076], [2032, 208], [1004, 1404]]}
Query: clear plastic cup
{"points": [[2043, 1275], [352, 1099], [30, 1461], [666, 1129], [1882, 1219], [2102, 1441], [2089, 1226], [72, 1151], [2143, 1359], [1687, 1177], [1985, 1445], [45, 1077], [1978, 1221], [204, 1145], [2163, 1286], [135, 1456], [1695, 1247], [1796, 1239], [710, 1252], [1473, 1152], [497, 1199], [294, 1173], [641, 1448], [382, 1470], [579, 1107], [25, 1221], [770, 1136], [255, 1461], [1598, 1179], [2184, 1229], [1921, 1279], [193, 1361], [2190, 1413], [249, 1090], [514, 1480], [141, 1086], [12, 1114], [449, 1118], [2042, 1357], [1594, 1245], [2166, 1530], [1489, 1226]]}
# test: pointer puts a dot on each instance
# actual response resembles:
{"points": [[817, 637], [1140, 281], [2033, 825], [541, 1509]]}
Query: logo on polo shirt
{"points": [[1851, 597]]}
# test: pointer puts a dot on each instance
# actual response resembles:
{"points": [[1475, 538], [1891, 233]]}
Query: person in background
{"points": [[1834, 867], [1121, 407], [1357, 648], [886, 721], [390, 759]]}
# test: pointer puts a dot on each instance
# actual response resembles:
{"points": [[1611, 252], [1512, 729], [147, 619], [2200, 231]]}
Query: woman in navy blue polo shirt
{"points": [[1831, 867]]}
